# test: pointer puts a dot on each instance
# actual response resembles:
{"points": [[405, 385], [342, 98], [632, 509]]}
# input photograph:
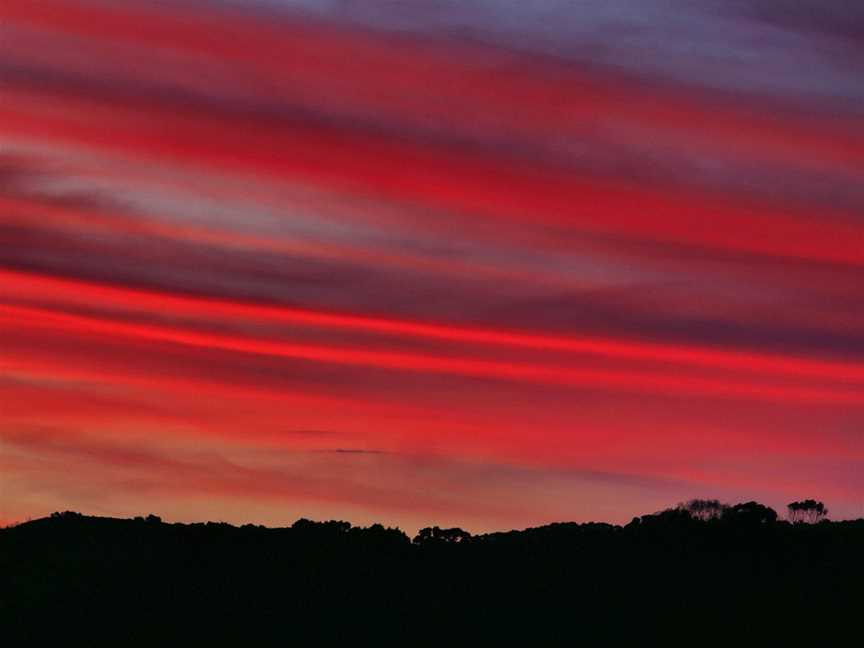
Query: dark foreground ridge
{"points": [[690, 575]]}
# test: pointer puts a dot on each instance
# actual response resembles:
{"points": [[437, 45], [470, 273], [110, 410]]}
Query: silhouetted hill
{"points": [[681, 576]]}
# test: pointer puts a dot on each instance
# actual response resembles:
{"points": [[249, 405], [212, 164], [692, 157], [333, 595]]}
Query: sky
{"points": [[475, 263]]}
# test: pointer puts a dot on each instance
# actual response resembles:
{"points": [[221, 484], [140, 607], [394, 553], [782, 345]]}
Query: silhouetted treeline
{"points": [[696, 574]]}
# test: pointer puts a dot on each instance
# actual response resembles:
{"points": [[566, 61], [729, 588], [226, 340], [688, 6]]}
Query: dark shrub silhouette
{"points": [[436, 535], [665, 577], [704, 509], [750, 513], [809, 511]]}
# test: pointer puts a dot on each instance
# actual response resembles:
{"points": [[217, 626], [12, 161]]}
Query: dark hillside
{"points": [[666, 575]]}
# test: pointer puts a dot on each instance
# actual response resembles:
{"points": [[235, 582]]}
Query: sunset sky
{"points": [[484, 263]]}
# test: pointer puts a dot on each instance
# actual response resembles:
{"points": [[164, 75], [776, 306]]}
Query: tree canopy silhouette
{"points": [[808, 510], [136, 582], [704, 509], [436, 535]]}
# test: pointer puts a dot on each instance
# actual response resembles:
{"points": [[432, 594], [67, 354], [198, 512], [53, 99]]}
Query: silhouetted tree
{"points": [[750, 513], [704, 509], [438, 535], [808, 510], [323, 583], [331, 526]]}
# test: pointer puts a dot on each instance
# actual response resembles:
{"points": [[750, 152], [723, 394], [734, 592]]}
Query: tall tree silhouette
{"points": [[704, 509], [807, 510]]}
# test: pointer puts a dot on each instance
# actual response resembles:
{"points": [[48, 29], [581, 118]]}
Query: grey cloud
{"points": [[763, 48]]}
